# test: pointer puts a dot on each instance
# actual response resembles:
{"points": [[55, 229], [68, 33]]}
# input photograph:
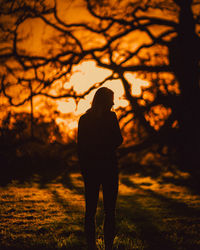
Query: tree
{"points": [[185, 58], [147, 38]]}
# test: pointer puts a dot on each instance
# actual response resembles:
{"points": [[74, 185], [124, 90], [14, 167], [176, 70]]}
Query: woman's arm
{"points": [[118, 139]]}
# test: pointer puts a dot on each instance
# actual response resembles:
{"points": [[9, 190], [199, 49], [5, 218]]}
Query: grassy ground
{"points": [[151, 214]]}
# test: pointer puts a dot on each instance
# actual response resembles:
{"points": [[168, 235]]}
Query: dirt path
{"points": [[151, 214]]}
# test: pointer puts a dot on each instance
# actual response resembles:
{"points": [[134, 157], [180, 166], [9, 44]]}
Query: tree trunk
{"points": [[32, 116], [185, 64]]}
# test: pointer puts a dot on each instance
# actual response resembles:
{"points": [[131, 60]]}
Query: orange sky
{"points": [[87, 73]]}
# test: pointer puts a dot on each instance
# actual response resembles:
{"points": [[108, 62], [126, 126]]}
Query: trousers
{"points": [[107, 177]]}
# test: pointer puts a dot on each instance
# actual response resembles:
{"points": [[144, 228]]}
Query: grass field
{"points": [[151, 214]]}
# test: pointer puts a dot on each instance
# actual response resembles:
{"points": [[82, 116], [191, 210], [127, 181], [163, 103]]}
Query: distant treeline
{"points": [[25, 157]]}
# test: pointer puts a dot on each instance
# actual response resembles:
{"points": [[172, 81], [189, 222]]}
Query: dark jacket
{"points": [[98, 138]]}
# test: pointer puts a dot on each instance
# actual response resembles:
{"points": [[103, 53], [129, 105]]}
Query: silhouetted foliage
{"points": [[41, 158]]}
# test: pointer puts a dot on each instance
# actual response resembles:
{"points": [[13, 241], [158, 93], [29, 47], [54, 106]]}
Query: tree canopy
{"points": [[42, 41]]}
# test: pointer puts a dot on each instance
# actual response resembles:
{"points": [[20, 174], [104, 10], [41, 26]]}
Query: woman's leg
{"points": [[92, 186], [110, 191]]}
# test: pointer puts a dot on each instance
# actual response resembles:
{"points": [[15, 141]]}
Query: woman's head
{"points": [[103, 99]]}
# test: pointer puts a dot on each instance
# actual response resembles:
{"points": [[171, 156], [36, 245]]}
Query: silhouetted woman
{"points": [[98, 138]]}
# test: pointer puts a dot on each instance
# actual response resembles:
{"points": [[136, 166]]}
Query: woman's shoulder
{"points": [[86, 116]]}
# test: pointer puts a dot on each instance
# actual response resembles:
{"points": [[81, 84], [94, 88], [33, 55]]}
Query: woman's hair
{"points": [[102, 99]]}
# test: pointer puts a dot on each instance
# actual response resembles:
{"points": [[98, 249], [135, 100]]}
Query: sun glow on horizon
{"points": [[85, 76]]}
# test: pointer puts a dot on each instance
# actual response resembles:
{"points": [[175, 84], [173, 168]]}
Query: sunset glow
{"points": [[87, 74], [137, 84], [99, 128], [67, 106]]}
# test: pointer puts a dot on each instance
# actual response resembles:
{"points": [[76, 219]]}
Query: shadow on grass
{"points": [[178, 176], [67, 206], [176, 207], [153, 226], [192, 183], [161, 224], [67, 182], [73, 222]]}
